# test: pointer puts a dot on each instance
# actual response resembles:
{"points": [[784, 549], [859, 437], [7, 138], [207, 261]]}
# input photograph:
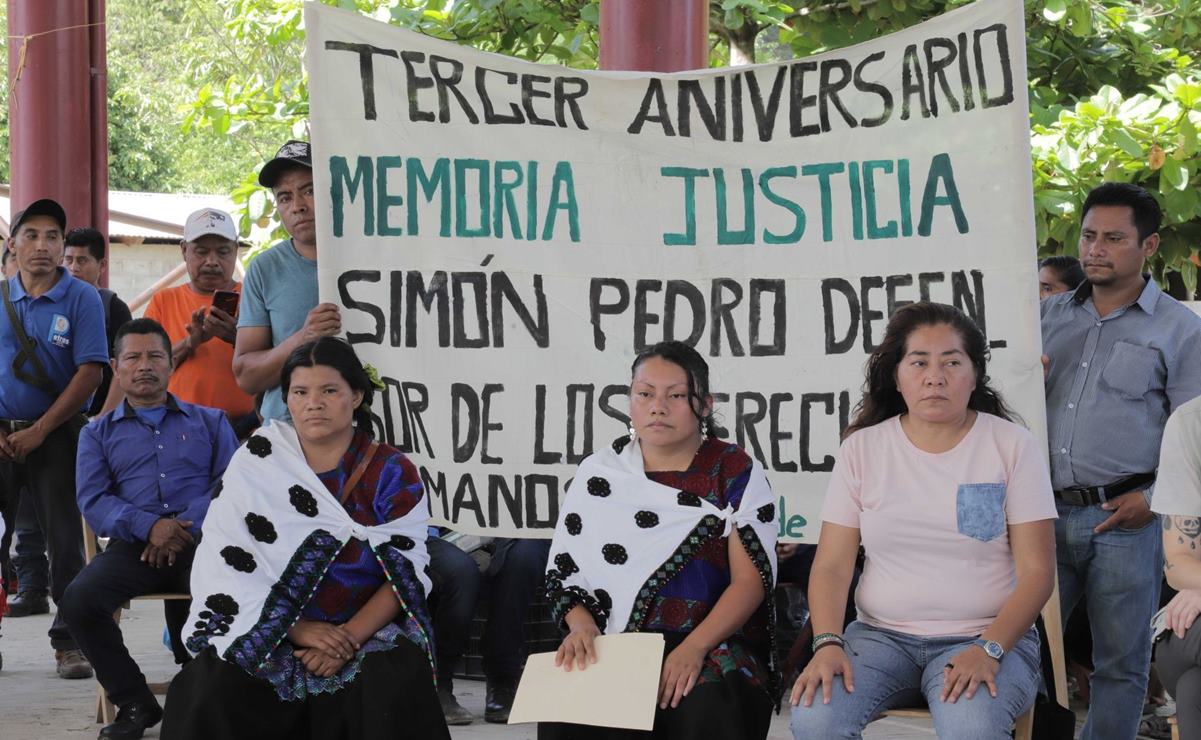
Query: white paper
{"points": [[619, 690]]}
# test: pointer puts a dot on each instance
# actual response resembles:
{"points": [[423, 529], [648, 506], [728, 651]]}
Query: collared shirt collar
{"points": [[16, 289], [1147, 299], [126, 410]]}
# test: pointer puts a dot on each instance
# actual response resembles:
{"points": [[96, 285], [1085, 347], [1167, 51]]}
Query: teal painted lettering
{"points": [[874, 229], [484, 200], [688, 238], [823, 172], [434, 184], [940, 171], [531, 202], [386, 200], [745, 235], [796, 523], [562, 198], [505, 204], [856, 202], [340, 177], [792, 207], [906, 206]]}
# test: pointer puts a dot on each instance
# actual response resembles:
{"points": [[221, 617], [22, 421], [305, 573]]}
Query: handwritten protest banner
{"points": [[504, 236]]}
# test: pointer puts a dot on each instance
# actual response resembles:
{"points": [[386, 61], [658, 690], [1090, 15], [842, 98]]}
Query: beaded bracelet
{"points": [[827, 638]]}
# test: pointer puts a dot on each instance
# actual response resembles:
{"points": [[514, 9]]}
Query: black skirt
{"points": [[392, 698], [731, 709]]}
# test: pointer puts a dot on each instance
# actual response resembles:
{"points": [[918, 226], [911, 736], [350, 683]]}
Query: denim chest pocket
{"points": [[1131, 370], [980, 510]]}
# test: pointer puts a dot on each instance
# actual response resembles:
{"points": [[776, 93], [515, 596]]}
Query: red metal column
{"points": [[654, 35], [98, 111], [57, 107]]}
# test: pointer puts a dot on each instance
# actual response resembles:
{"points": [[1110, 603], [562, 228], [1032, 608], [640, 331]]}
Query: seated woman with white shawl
{"points": [[672, 531], [309, 584]]}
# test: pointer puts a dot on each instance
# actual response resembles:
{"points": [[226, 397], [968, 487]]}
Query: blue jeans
{"points": [[1117, 573], [893, 669]]}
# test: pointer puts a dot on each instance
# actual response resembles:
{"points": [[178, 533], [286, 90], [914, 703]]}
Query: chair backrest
{"points": [[1053, 619], [90, 546]]}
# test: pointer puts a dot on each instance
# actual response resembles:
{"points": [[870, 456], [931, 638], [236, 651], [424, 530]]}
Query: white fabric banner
{"points": [[504, 236]]}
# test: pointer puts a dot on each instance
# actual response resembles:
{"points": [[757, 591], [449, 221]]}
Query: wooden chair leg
{"points": [[1023, 728]]}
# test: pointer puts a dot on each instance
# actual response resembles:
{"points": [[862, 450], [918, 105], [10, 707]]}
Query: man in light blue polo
{"points": [[1122, 356], [52, 349]]}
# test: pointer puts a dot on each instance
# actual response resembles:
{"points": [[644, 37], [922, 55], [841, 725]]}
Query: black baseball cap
{"points": [[289, 155], [43, 207]]}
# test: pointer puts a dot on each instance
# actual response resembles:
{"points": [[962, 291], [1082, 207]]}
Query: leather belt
{"points": [[8, 426], [1093, 495]]}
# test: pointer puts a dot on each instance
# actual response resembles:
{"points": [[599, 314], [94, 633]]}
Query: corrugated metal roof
{"points": [[140, 217]]}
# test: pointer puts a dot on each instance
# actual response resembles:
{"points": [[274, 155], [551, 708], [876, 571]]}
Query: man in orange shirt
{"points": [[202, 333]]}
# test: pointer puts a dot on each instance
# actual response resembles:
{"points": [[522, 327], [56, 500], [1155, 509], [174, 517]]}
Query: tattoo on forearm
{"points": [[1190, 530]]}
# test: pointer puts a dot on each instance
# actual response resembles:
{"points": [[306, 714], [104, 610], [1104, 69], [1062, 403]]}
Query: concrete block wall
{"points": [[132, 268]]}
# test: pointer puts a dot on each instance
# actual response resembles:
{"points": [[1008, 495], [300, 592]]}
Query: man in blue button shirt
{"points": [[144, 474], [1121, 357], [52, 349]]}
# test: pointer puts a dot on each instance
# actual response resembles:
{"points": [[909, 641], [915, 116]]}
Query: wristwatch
{"points": [[991, 647]]}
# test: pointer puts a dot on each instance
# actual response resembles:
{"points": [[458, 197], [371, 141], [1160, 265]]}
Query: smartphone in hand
{"points": [[227, 301]]}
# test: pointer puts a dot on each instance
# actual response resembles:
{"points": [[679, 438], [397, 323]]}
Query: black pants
{"points": [[112, 578], [49, 474], [517, 572], [456, 580], [1179, 663]]}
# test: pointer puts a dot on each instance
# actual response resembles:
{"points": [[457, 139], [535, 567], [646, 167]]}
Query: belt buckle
{"points": [[1074, 496]]}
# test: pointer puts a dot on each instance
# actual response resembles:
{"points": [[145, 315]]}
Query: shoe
{"points": [[72, 664], [499, 702], [132, 721], [454, 712], [28, 603]]}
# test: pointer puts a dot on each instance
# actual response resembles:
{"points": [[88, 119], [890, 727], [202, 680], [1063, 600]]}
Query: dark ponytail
{"points": [[338, 354], [697, 370]]}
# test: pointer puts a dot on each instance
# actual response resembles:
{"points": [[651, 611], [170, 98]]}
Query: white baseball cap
{"points": [[209, 221]]}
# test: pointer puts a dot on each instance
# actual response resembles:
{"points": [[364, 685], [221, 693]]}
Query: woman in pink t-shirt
{"points": [[952, 503]]}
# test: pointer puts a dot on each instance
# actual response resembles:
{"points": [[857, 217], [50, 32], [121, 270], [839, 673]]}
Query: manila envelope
{"points": [[619, 690]]}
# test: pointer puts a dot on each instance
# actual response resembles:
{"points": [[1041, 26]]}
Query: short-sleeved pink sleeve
{"points": [[843, 502], [1028, 496]]}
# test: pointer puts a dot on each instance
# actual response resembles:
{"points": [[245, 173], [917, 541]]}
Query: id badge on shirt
{"points": [[60, 331]]}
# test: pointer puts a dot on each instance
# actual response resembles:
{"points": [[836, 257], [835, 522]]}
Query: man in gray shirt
{"points": [[1122, 355]]}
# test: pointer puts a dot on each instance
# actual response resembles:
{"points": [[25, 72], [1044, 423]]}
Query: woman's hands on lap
{"points": [[331, 639], [579, 647], [966, 671], [680, 672], [318, 662], [825, 665]]}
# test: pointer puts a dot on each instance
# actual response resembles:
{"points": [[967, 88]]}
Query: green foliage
{"points": [[152, 47], [260, 84]]}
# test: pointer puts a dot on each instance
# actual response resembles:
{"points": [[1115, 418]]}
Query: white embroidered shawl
{"points": [[267, 540], [622, 536]]}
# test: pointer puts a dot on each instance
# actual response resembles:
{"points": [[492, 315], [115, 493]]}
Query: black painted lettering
{"points": [[366, 70], [830, 286], [376, 336], [597, 308]]}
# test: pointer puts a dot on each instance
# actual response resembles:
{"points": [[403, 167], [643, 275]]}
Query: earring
{"points": [[704, 427], [633, 434]]}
